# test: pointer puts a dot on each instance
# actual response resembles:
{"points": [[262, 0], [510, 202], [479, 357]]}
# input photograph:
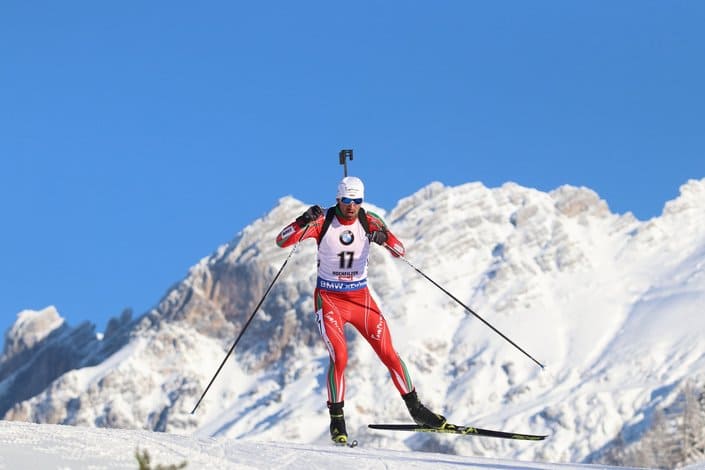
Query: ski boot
{"points": [[422, 415], [337, 423]]}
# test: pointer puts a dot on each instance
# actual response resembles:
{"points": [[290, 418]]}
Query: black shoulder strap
{"points": [[330, 213], [363, 220]]}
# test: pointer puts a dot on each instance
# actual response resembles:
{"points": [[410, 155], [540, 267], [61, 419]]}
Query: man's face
{"points": [[349, 207]]}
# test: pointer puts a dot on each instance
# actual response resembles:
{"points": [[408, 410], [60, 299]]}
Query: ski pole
{"points": [[464, 306], [252, 316]]}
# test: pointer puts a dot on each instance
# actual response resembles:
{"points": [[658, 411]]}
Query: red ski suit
{"points": [[341, 295]]}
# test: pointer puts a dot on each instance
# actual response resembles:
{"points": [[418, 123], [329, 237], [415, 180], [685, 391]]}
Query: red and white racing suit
{"points": [[342, 297]]}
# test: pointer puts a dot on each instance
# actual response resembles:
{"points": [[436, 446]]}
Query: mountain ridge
{"points": [[557, 272]]}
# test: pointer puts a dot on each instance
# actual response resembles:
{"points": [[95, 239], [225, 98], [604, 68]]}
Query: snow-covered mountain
{"points": [[610, 304]]}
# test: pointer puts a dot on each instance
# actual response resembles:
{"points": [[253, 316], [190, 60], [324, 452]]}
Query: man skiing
{"points": [[344, 234]]}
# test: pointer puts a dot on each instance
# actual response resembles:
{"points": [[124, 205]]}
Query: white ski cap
{"points": [[352, 187]]}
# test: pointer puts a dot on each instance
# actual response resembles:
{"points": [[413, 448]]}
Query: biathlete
{"points": [[344, 234]]}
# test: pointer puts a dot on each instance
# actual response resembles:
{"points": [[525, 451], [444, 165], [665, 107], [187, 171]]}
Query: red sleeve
{"points": [[393, 244], [292, 232]]}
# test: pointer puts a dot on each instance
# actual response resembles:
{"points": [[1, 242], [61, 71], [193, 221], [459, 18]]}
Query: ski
{"points": [[464, 430]]}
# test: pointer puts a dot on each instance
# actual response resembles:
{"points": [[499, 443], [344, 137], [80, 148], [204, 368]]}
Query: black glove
{"points": [[378, 236], [311, 214]]}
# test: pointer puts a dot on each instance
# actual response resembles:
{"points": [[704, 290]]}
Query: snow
{"points": [[46, 447], [611, 305], [31, 327]]}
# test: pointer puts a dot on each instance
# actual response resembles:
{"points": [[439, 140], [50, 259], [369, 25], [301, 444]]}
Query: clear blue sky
{"points": [[138, 136]]}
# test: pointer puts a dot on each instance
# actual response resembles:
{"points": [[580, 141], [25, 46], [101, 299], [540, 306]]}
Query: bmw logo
{"points": [[347, 237]]}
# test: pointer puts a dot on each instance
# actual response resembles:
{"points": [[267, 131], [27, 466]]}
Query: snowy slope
{"points": [[45, 447], [611, 305]]}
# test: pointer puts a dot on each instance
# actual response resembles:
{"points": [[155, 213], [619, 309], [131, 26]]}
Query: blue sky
{"points": [[136, 137]]}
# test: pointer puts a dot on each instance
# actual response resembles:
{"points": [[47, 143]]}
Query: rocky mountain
{"points": [[610, 304]]}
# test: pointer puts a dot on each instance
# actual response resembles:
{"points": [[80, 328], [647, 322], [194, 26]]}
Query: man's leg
{"points": [[330, 325], [375, 330], [368, 320]]}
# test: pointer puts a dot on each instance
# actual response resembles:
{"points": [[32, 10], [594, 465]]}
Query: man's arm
{"points": [[389, 241], [312, 218]]}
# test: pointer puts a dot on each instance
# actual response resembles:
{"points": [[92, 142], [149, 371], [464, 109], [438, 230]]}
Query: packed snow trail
{"points": [[44, 446]]}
